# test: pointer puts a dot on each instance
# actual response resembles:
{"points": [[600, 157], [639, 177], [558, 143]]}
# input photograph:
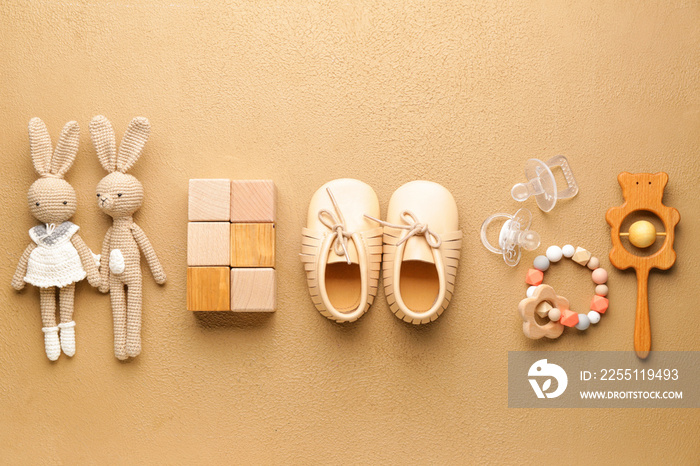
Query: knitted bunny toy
{"points": [[57, 258], [119, 195]]}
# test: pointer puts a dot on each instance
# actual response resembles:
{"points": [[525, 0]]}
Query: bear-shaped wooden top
{"points": [[642, 191]]}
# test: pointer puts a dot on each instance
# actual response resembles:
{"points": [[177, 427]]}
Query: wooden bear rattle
{"points": [[642, 192]]}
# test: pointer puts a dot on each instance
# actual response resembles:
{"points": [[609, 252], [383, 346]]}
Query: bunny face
{"points": [[52, 200], [119, 194]]}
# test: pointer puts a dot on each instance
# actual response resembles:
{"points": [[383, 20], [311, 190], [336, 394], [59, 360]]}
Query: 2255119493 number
{"points": [[639, 374]]}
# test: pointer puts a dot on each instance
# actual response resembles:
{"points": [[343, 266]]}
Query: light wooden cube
{"points": [[208, 288], [253, 245], [208, 243], [543, 309], [253, 201], [209, 200], [581, 256], [253, 290]]}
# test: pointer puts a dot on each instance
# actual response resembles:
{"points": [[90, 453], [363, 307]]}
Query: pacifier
{"points": [[542, 185], [515, 235]]}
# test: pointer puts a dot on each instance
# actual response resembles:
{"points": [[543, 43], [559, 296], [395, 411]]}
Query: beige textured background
{"points": [[459, 93]]}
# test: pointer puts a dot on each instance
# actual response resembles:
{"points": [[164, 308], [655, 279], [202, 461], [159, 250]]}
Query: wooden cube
{"points": [[543, 309], [253, 290], [253, 245], [253, 201], [209, 200], [581, 256], [208, 288], [208, 243]]}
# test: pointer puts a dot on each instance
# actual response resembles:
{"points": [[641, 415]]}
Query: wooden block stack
{"points": [[231, 245]]}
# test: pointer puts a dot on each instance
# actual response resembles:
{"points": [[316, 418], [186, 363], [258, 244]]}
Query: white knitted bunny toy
{"points": [[57, 257]]}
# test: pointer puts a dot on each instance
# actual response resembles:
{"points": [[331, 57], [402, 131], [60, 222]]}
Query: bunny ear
{"points": [[132, 144], [66, 149], [39, 145], [102, 135]]}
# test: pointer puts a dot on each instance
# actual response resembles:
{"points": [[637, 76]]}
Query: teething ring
{"points": [[557, 310]]}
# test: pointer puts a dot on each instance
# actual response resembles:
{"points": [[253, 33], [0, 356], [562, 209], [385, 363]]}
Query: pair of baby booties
{"points": [[57, 257]]}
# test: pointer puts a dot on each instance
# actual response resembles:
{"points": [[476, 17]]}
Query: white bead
{"points": [[554, 314], [554, 253], [530, 291], [583, 322], [594, 317], [568, 250], [541, 263]]}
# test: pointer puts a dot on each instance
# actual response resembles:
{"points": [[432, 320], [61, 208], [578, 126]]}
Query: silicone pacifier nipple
{"points": [[520, 192], [515, 235], [542, 185], [529, 240]]}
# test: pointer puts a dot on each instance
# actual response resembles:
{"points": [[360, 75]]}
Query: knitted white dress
{"points": [[55, 261]]}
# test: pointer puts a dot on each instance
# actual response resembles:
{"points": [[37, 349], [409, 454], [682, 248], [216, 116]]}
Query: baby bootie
{"points": [[422, 244], [51, 343], [68, 337], [342, 250]]}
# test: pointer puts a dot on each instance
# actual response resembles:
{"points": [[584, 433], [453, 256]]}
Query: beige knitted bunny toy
{"points": [[120, 195], [57, 256]]}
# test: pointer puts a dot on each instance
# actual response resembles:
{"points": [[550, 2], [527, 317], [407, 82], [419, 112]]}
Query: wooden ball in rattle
{"points": [[642, 234]]}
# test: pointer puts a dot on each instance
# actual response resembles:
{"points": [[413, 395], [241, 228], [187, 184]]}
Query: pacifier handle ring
{"points": [[563, 163], [485, 225]]}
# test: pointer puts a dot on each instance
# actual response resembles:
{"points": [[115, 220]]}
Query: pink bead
{"points": [[600, 276]]}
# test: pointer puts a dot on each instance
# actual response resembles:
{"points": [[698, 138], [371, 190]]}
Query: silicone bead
{"points": [[594, 317], [568, 250], [599, 304], [541, 263], [600, 276], [583, 322], [530, 291], [534, 277], [593, 263], [568, 318], [554, 253], [601, 290], [554, 314]]}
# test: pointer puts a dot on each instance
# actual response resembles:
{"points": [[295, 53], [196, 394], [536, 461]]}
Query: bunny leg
{"points": [[65, 301], [118, 299], [133, 320], [47, 302]]}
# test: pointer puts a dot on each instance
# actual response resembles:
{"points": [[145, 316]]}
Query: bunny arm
{"points": [[21, 272], [104, 262], [93, 274], [149, 253]]}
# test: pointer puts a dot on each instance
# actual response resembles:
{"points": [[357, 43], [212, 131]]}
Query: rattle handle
{"points": [[642, 329]]}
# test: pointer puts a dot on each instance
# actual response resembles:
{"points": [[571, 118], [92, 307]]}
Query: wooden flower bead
{"points": [[528, 306]]}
